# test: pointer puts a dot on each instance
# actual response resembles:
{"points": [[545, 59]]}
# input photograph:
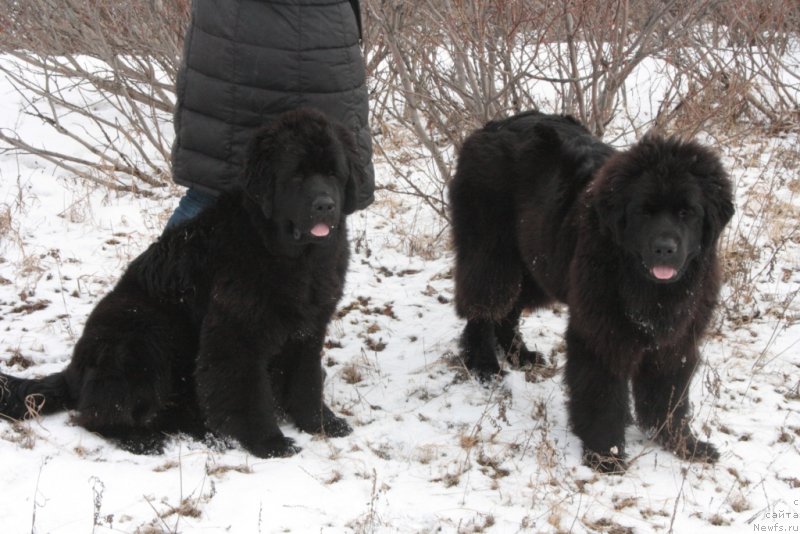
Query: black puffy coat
{"points": [[245, 62]]}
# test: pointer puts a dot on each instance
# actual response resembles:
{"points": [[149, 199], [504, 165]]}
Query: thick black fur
{"points": [[219, 325], [542, 212]]}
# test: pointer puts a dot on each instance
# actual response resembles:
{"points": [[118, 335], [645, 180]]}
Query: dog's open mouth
{"points": [[663, 272], [320, 230]]}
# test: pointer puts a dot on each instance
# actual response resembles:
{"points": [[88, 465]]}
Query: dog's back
{"points": [[526, 121], [534, 164]]}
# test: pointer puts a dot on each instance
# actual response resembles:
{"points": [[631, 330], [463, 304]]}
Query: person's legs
{"points": [[190, 205]]}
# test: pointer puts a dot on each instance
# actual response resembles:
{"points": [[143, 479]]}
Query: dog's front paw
{"points": [[481, 364], [322, 422], [525, 357], [688, 447], [486, 370], [489, 378], [276, 447], [336, 427], [611, 462], [532, 357], [145, 444]]}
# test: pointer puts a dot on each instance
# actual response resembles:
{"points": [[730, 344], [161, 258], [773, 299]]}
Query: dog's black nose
{"points": [[664, 246], [323, 203]]}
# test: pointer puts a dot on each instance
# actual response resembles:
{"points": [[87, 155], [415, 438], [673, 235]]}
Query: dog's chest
{"points": [[305, 284], [661, 320], [312, 282]]}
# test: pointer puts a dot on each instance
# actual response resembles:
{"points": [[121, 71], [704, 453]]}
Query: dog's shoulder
{"points": [[184, 255], [528, 122]]}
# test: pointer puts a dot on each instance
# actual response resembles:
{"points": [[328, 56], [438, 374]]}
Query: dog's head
{"points": [[302, 172], [665, 202]]}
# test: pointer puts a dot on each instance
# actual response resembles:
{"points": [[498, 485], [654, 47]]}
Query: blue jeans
{"points": [[190, 206]]}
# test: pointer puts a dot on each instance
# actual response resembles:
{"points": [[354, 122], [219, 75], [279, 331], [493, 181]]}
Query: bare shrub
{"points": [[738, 68], [101, 74], [757, 249], [6, 220], [444, 67]]}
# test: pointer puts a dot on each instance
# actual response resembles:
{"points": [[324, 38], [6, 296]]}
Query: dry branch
{"points": [[445, 67], [101, 74]]}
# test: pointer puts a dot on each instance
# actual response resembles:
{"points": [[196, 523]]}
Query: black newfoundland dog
{"points": [[542, 212], [219, 325]]}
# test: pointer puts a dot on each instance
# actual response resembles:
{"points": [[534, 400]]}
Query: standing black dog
{"points": [[542, 211], [219, 325]]}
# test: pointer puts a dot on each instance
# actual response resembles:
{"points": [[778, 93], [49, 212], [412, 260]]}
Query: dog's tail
{"points": [[22, 398]]}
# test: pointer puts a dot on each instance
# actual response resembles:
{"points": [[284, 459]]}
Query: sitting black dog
{"points": [[219, 325]]}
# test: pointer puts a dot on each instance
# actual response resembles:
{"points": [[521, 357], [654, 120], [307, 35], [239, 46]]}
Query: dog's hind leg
{"points": [[507, 330], [488, 270], [125, 366], [484, 303], [123, 405]]}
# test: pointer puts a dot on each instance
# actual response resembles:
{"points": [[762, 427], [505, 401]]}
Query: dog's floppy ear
{"points": [[718, 209], [258, 179], [717, 190], [609, 199]]}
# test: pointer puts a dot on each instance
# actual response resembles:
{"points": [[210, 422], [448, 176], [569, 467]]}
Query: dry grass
{"points": [[20, 433], [218, 470], [767, 223], [5, 220], [351, 374]]}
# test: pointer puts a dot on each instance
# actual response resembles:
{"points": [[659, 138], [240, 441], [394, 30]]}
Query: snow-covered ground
{"points": [[432, 450]]}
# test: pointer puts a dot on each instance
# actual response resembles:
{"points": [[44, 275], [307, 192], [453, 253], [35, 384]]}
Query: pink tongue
{"points": [[663, 272], [321, 230]]}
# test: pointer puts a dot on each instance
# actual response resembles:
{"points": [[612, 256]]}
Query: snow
{"points": [[432, 450]]}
